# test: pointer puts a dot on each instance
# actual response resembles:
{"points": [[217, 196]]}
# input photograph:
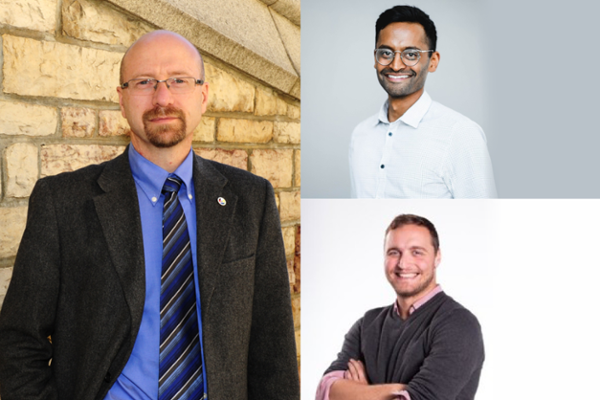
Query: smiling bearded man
{"points": [[424, 346], [415, 147]]}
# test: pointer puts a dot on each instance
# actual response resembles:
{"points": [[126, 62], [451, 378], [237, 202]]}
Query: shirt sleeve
{"points": [[467, 167], [326, 382]]}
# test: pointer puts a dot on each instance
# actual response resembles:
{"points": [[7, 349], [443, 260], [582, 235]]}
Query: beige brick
{"points": [[236, 158], [297, 168], [267, 103], [289, 240], [289, 207], [53, 69], [64, 157], [13, 225], [205, 131], [17, 118], [78, 122], [244, 131], [298, 352], [287, 132], [274, 165], [291, 275], [95, 21], [21, 169], [39, 15], [5, 275], [296, 310], [112, 123], [293, 112], [228, 93]]}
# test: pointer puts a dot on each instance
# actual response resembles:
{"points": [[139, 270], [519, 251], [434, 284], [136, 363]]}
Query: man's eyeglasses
{"points": [[410, 57], [177, 85]]}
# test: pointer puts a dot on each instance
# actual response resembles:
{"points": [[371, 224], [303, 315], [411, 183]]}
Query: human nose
{"points": [[162, 95], [397, 62]]}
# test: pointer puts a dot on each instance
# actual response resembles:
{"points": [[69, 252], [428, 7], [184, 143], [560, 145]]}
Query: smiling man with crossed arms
{"points": [[425, 346]]}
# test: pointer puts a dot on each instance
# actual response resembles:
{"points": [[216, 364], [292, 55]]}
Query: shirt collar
{"points": [[437, 289], [151, 178], [413, 115]]}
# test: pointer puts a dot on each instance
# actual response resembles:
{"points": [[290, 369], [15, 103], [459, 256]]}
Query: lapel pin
{"points": [[221, 201]]}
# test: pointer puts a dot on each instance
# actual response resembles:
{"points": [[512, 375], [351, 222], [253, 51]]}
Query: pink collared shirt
{"points": [[328, 379]]}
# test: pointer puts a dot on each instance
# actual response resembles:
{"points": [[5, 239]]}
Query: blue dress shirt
{"points": [[139, 378]]}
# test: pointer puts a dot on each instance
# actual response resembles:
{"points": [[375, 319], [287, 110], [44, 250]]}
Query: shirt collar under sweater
{"points": [[437, 289]]}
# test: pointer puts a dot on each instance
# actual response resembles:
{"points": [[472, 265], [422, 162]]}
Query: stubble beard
{"points": [[418, 290], [167, 135]]}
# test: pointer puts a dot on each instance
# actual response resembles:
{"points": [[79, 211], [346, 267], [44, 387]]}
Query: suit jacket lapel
{"points": [[213, 224], [119, 215]]}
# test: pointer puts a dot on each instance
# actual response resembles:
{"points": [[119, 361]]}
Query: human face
{"points": [[162, 119], [410, 261], [397, 79]]}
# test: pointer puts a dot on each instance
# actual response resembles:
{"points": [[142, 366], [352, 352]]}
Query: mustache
{"points": [[159, 111], [401, 71]]}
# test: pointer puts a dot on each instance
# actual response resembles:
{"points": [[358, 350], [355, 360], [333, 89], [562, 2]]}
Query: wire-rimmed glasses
{"points": [[410, 57], [177, 85]]}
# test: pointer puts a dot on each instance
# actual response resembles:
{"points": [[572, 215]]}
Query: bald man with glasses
{"points": [[157, 275], [415, 147]]}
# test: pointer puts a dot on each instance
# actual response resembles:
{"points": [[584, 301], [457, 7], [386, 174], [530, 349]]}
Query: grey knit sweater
{"points": [[437, 350]]}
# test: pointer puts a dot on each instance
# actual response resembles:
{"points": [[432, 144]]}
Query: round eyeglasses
{"points": [[177, 85], [410, 57]]}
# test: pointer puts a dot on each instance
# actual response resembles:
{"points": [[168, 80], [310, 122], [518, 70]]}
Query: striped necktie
{"points": [[180, 367]]}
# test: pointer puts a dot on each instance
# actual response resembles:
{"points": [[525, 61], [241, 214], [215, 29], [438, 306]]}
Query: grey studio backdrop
{"points": [[522, 70]]}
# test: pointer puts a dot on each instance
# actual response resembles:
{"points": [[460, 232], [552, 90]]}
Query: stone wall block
{"points": [[205, 131], [5, 275], [38, 15], [296, 311], [244, 131], [289, 240], [17, 118], [268, 103], [21, 168], [78, 122], [228, 93], [291, 276], [236, 158], [298, 352], [64, 157], [96, 22], [289, 9], [53, 69], [289, 205], [274, 165], [287, 132], [293, 112], [112, 123], [297, 168], [13, 225]]}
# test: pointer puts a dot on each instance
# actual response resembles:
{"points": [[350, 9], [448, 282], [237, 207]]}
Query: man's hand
{"points": [[356, 372]]}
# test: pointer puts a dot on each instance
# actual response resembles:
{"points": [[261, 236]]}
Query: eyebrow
{"points": [[383, 46]]}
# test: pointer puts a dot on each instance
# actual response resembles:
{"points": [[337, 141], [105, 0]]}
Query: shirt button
{"points": [[154, 199], [382, 166], [390, 134]]}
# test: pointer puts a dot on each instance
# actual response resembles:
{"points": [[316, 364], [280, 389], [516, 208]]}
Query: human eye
{"points": [[179, 81], [417, 252], [143, 83], [411, 55], [385, 53]]}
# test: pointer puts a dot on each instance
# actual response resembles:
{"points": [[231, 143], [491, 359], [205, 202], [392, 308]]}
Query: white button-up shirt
{"points": [[429, 152]]}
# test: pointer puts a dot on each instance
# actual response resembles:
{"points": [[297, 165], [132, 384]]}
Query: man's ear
{"points": [[438, 258], [434, 61]]}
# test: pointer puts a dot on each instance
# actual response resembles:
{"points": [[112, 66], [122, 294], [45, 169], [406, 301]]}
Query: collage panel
{"points": [[525, 270]]}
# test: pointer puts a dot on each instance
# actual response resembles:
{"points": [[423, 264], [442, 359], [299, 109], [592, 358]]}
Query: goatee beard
{"points": [[166, 135]]}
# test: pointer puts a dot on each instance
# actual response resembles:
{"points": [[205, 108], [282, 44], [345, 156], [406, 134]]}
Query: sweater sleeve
{"points": [[454, 363]]}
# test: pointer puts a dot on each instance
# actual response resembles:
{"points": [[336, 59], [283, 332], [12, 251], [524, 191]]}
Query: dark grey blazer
{"points": [[79, 278]]}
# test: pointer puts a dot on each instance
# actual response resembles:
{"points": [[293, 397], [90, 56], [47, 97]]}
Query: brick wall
{"points": [[59, 112]]}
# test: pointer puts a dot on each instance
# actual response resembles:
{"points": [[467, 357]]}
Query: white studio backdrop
{"points": [[527, 269]]}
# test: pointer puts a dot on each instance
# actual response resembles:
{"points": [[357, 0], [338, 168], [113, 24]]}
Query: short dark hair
{"points": [[411, 219], [407, 14]]}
